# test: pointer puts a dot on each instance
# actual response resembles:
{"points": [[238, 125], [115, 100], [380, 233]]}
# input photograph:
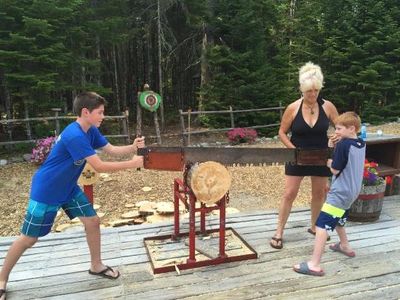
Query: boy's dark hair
{"points": [[348, 119], [89, 100]]}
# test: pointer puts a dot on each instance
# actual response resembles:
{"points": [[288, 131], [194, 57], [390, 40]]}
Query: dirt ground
{"points": [[253, 188]]}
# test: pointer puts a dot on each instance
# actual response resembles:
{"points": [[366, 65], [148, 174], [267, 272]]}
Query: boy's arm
{"points": [[124, 150], [329, 165], [111, 166]]}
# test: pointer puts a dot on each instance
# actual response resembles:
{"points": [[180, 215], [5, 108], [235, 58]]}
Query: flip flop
{"points": [[305, 270], [279, 243], [3, 293], [103, 273], [309, 230], [336, 248]]}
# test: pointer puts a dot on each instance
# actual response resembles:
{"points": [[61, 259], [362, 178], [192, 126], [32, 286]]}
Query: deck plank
{"points": [[63, 258]]}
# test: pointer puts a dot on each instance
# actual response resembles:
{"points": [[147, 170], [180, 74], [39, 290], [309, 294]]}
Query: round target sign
{"points": [[150, 100]]}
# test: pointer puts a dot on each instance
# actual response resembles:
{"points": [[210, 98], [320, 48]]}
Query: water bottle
{"points": [[363, 132]]}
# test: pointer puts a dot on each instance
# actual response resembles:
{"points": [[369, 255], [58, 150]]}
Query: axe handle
{"points": [[137, 150]]}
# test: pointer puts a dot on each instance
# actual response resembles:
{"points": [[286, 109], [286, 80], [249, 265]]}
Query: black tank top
{"points": [[304, 136]]}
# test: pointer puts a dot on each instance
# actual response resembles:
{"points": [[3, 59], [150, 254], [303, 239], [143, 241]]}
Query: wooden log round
{"points": [[209, 181]]}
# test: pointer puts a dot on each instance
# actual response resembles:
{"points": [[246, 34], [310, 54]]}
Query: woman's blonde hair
{"points": [[310, 75]]}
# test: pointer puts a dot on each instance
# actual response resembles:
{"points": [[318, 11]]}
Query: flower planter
{"points": [[368, 206]]}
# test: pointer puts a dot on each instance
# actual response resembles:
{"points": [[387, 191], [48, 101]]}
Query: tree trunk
{"points": [[160, 77], [98, 54], [204, 68], [116, 83], [123, 75], [28, 124], [291, 16], [157, 127], [5, 97], [5, 94]]}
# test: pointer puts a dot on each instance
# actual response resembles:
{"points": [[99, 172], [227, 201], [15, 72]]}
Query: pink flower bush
{"points": [[42, 149], [241, 135]]}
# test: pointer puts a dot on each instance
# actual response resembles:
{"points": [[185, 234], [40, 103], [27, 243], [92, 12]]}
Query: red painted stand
{"points": [[183, 193], [88, 189]]}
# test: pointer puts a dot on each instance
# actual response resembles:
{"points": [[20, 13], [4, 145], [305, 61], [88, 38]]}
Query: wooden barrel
{"points": [[209, 181], [367, 207]]}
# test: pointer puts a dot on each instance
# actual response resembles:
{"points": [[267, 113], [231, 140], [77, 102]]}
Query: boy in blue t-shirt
{"points": [[54, 184], [347, 167]]}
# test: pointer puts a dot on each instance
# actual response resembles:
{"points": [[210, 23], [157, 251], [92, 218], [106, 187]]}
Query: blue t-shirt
{"points": [[55, 182], [348, 159]]}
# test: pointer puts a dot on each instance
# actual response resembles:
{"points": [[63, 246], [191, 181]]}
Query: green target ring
{"points": [[150, 100]]}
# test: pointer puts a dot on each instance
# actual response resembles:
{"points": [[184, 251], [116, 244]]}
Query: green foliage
{"points": [[363, 41], [51, 50], [242, 62]]}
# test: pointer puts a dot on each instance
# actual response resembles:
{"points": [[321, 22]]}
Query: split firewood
{"points": [[146, 189], [130, 215], [118, 222], [138, 221], [146, 209], [165, 208], [63, 227], [158, 218]]}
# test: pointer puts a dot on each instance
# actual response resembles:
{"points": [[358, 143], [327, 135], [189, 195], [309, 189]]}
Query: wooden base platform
{"points": [[56, 267], [167, 254]]}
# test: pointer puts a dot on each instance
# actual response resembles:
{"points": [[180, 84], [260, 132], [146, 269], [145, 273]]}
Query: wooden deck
{"points": [[56, 268]]}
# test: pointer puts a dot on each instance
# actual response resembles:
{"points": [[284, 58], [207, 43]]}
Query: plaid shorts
{"points": [[39, 217]]}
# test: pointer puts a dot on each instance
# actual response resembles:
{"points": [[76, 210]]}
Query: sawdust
{"points": [[253, 188]]}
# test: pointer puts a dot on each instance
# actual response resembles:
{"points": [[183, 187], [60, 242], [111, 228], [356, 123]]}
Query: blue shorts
{"points": [[331, 216], [40, 216]]}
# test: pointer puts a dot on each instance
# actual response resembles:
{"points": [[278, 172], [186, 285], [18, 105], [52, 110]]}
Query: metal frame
{"points": [[181, 193]]}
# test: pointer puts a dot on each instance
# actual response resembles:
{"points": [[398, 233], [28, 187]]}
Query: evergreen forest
{"points": [[199, 54]]}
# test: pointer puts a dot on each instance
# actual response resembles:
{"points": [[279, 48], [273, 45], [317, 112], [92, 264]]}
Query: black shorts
{"points": [[296, 170]]}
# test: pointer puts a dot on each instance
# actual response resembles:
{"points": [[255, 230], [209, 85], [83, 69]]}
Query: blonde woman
{"points": [[308, 120]]}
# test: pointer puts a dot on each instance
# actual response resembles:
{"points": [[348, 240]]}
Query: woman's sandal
{"points": [[2, 293], [278, 243]]}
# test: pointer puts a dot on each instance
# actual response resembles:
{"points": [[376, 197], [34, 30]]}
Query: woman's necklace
{"points": [[311, 108]]}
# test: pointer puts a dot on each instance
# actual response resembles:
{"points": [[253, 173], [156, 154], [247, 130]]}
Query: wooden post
{"points": [[28, 124], [232, 119], [188, 138], [184, 142], [157, 126], [138, 118], [9, 131], [125, 126], [56, 111]]}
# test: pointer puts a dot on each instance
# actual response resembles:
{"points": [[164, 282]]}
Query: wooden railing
{"points": [[186, 131], [8, 124]]}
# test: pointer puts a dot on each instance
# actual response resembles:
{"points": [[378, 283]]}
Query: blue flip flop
{"points": [[304, 269]]}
